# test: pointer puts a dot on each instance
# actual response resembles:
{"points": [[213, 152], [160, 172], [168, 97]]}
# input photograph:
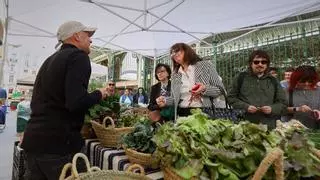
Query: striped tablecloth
{"points": [[113, 159]]}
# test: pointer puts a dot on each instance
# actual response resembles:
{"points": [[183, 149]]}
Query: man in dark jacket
{"points": [[59, 103], [257, 92]]}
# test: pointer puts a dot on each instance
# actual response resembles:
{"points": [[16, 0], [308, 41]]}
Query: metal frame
{"points": [[5, 41], [144, 12]]}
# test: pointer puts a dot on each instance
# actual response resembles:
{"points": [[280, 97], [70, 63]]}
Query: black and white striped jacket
{"points": [[204, 73]]}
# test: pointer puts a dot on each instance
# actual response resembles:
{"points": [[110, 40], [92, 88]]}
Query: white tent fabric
{"points": [[148, 27], [97, 70]]}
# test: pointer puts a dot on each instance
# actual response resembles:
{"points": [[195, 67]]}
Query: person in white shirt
{"points": [[194, 82], [287, 74], [126, 99]]}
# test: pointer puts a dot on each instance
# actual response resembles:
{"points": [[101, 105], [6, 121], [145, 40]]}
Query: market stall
{"points": [[113, 159]]}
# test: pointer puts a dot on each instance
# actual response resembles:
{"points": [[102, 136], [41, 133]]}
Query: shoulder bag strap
{"points": [[290, 98]]}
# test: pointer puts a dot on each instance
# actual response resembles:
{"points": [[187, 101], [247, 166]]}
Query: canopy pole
{"points": [[5, 44], [155, 60], [145, 14]]}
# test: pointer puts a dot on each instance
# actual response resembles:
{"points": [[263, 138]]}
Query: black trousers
{"points": [[47, 166]]}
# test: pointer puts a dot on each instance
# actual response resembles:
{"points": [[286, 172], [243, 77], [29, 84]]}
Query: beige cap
{"points": [[67, 29]]}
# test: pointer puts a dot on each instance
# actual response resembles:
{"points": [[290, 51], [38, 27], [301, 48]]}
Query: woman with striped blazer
{"points": [[193, 81]]}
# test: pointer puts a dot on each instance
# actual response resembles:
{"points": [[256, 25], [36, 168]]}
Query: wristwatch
{"points": [[295, 109]]}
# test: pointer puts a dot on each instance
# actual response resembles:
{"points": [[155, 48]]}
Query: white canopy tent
{"points": [[97, 71], [147, 27]]}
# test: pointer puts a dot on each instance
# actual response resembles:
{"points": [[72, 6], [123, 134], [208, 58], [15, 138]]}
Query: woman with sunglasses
{"points": [[194, 82], [162, 88], [112, 87], [304, 96]]}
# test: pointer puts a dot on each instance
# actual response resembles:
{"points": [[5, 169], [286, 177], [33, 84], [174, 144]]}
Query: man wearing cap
{"points": [[59, 103]]}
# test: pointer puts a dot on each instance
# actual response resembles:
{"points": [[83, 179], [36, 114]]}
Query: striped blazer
{"points": [[204, 73]]}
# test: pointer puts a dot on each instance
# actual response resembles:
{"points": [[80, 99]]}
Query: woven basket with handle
{"points": [[109, 136], [169, 174], [94, 173], [273, 157]]}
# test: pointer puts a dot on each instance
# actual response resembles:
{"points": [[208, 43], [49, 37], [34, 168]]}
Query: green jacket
{"points": [[258, 92]]}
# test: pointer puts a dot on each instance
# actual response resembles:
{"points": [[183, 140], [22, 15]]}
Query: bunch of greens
{"points": [[129, 120], [140, 138], [94, 85], [107, 107], [219, 149], [299, 158], [314, 136]]}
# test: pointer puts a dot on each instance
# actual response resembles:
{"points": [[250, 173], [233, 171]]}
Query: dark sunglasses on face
{"points": [[260, 62], [111, 84]]}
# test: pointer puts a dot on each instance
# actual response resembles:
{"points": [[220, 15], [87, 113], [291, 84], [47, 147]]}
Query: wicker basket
{"points": [[141, 111], [94, 173], [109, 136], [274, 157], [143, 159], [169, 174]]}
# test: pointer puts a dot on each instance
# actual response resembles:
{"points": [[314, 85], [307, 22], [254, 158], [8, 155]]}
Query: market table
{"points": [[112, 158]]}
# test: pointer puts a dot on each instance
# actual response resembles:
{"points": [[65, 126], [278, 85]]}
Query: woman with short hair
{"points": [[162, 88]]}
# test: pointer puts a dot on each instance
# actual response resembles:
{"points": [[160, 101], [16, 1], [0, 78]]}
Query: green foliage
{"points": [[219, 149], [109, 106], [299, 159], [94, 85], [140, 138], [129, 120], [314, 136]]}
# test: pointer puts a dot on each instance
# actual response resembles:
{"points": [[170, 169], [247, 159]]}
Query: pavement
{"points": [[7, 138]]}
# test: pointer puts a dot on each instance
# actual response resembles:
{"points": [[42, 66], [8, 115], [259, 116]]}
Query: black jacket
{"points": [[59, 103], [155, 93]]}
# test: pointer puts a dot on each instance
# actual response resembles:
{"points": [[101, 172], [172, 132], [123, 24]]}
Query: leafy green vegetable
{"points": [[219, 149], [107, 107], [140, 138], [226, 150]]}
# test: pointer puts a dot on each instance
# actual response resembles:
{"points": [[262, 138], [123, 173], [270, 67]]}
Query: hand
{"points": [[105, 92], [266, 109], [161, 101], [198, 89], [252, 109], [155, 115], [316, 114], [305, 108]]}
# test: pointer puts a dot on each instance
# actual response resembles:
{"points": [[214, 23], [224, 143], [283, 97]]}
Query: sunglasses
{"points": [[111, 84], [260, 62]]}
